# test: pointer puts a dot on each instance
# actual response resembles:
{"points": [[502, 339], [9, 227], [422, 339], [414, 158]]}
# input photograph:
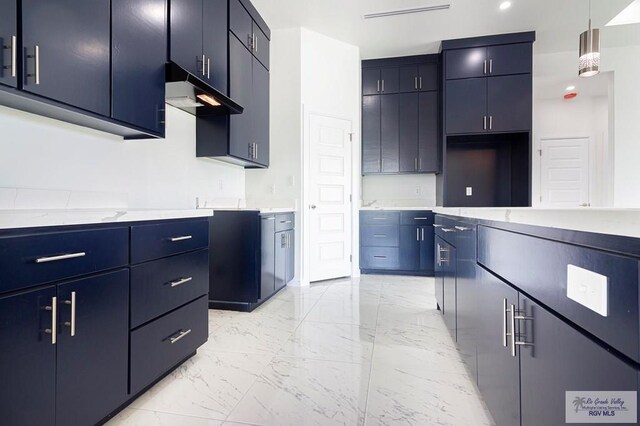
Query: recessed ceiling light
{"points": [[570, 88], [505, 5], [407, 11]]}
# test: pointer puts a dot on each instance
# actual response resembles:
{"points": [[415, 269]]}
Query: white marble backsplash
{"points": [[55, 199]]}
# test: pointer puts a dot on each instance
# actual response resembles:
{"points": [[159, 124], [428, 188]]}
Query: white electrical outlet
{"points": [[588, 288], [469, 191]]}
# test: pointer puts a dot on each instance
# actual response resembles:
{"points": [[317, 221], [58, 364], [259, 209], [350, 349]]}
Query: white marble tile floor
{"points": [[369, 351]]}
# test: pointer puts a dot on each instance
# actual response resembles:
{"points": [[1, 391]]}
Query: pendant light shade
{"points": [[589, 51]]}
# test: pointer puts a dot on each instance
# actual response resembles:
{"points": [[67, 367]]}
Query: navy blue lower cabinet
{"points": [[92, 348], [557, 358], [439, 270], [498, 367], [426, 249], [409, 248], [467, 294], [270, 256], [449, 284], [28, 358]]}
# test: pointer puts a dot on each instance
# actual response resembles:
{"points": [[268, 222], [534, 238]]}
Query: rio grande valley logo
{"points": [[601, 407]]}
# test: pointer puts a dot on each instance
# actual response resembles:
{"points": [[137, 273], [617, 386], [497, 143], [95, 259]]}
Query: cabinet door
{"points": [[215, 42], [428, 133], [281, 260], [510, 103], [240, 23], [498, 370], [467, 307], [139, 54], [270, 244], [450, 292], [93, 348], [371, 134], [562, 359], [27, 359], [260, 113], [390, 133], [73, 45], [408, 128], [185, 23], [409, 78], [440, 256], [428, 79], [426, 249], [370, 81], [291, 257], [9, 50], [466, 106], [510, 59], [390, 80], [465, 63], [409, 248], [241, 90], [261, 45]]}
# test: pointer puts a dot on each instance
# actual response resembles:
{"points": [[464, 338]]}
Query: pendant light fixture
{"points": [[589, 51]]}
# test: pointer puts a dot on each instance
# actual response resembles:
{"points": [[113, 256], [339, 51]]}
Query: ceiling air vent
{"points": [[407, 11]]}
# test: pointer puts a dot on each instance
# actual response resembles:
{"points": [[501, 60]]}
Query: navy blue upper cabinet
{"points": [[28, 358], [428, 77], [241, 90], [185, 28], [371, 134], [389, 80], [428, 132], [370, 81], [93, 331], [67, 52], [510, 103], [408, 127], [409, 81], [261, 45], [390, 133], [260, 113], [139, 36], [240, 23], [215, 42], [9, 43], [465, 63], [510, 59], [466, 106]]}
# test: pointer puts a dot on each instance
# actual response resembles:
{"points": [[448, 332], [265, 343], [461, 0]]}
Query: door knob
{"points": [[312, 206]]}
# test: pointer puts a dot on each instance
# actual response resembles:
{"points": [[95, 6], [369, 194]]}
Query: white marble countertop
{"points": [[403, 208], [13, 219], [624, 222], [262, 210]]}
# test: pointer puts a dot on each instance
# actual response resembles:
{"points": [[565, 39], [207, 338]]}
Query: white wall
{"points": [[579, 117], [624, 133], [417, 190], [40, 153]]}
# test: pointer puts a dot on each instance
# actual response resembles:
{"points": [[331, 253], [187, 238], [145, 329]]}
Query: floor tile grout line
{"points": [[373, 352]]}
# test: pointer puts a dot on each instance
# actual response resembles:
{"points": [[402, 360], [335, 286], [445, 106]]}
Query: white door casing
{"points": [[564, 172], [329, 197]]}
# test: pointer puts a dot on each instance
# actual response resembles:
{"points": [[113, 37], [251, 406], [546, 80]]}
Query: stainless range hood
{"points": [[193, 95]]}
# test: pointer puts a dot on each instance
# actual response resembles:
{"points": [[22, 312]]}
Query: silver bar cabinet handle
{"points": [[256, 43], [420, 83], [183, 238], [462, 228], [60, 257], [505, 332], [14, 56], [448, 230], [204, 64], [54, 320], [417, 234], [378, 86], [490, 66], [420, 159], [485, 67], [512, 322], [422, 234], [415, 164], [421, 218], [484, 122], [437, 225], [37, 61], [383, 85], [181, 281], [416, 83], [72, 324], [208, 67], [380, 257], [491, 122], [180, 336]]}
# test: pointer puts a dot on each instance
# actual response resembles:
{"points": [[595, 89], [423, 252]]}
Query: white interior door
{"points": [[564, 172], [330, 198]]}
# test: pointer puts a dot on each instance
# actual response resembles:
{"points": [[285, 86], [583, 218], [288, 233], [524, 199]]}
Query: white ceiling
{"points": [[558, 23]]}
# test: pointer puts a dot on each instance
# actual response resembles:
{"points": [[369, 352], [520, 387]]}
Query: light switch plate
{"points": [[589, 289], [469, 191]]}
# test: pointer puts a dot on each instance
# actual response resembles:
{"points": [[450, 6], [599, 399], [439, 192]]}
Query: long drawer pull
{"points": [[54, 320], [462, 228], [179, 336], [380, 257], [420, 218], [379, 235], [448, 230], [181, 281], [60, 257], [183, 238], [437, 225], [286, 221]]}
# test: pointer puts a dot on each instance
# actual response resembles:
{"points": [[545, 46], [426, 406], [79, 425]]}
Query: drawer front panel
{"points": [[379, 218], [380, 236], [285, 222], [149, 242], [160, 286], [417, 218], [35, 259], [380, 258], [445, 228], [160, 345], [539, 267]]}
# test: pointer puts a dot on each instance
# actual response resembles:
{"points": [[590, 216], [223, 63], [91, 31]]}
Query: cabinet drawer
{"points": [[39, 258], [445, 228], [379, 218], [418, 218], [539, 267], [285, 222], [379, 258], [160, 286], [150, 242], [160, 345], [380, 236]]}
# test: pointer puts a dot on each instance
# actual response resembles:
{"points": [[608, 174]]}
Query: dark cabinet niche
{"points": [[494, 166]]}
